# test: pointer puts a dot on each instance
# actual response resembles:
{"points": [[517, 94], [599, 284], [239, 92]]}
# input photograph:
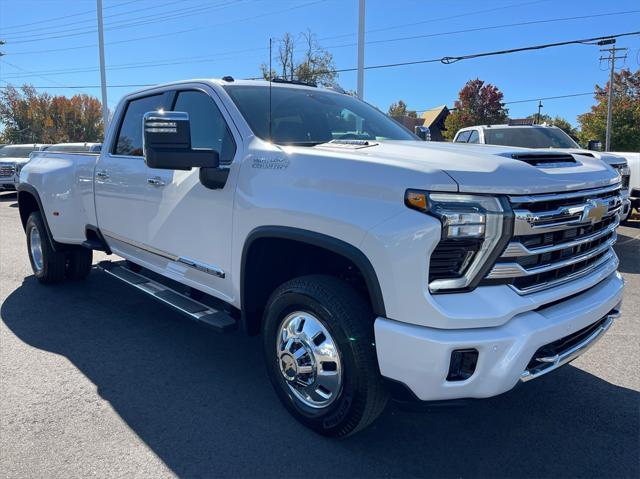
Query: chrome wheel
{"points": [[309, 360], [35, 247]]}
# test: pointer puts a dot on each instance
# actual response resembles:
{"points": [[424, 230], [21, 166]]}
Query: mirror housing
{"points": [[423, 132], [594, 145], [167, 143]]}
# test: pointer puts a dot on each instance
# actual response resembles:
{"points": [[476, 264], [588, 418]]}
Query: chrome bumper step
{"points": [[220, 321]]}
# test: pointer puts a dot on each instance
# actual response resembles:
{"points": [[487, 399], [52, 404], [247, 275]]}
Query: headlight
{"points": [[475, 230], [18, 168]]}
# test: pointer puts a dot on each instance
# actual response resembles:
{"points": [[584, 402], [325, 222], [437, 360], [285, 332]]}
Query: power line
{"points": [[64, 17], [162, 17], [91, 20], [433, 20], [491, 27], [165, 34], [449, 60], [209, 58]]}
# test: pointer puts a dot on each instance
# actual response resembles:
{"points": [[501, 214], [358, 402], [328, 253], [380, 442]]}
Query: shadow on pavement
{"points": [[8, 196], [203, 404], [628, 251]]}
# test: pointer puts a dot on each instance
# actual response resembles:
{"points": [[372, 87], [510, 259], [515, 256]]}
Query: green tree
{"points": [[28, 116], [310, 64], [625, 120], [478, 103], [400, 109]]}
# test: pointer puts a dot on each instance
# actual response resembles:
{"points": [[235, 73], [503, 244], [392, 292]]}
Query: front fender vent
{"points": [[542, 160]]}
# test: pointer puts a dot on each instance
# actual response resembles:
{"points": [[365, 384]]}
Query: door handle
{"points": [[155, 181], [102, 175]]}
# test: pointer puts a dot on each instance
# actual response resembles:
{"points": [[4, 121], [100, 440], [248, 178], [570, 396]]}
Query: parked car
{"points": [[12, 159], [633, 160], [76, 147], [527, 135], [372, 263]]}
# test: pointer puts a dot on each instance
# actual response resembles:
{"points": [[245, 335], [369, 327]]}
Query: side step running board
{"points": [[218, 320]]}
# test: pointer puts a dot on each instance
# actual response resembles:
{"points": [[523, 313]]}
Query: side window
{"points": [[475, 137], [463, 137], [208, 127], [130, 135]]}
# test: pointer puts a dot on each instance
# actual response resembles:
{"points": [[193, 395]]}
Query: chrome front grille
{"points": [[558, 238], [7, 170]]}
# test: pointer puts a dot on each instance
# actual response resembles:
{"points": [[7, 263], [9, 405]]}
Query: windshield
{"points": [[16, 151], [528, 137], [302, 116]]}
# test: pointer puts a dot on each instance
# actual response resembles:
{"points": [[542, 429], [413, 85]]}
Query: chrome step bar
{"points": [[220, 321], [551, 363]]}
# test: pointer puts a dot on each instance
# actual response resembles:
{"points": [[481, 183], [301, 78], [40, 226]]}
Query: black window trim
{"points": [[114, 141]]}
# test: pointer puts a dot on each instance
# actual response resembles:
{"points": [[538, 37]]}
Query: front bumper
{"points": [[419, 357]]}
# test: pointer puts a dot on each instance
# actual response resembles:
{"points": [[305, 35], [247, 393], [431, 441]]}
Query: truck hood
{"points": [[606, 157], [484, 168]]}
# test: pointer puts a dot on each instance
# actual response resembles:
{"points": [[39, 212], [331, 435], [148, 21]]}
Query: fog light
{"points": [[463, 364]]}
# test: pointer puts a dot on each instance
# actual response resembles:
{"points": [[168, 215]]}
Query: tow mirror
{"points": [[423, 132], [167, 143], [594, 145]]}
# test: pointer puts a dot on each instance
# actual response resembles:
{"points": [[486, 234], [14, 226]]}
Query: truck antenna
{"points": [[270, 80]]}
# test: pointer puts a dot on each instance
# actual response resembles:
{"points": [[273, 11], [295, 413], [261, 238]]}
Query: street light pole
{"points": [[103, 74], [360, 87]]}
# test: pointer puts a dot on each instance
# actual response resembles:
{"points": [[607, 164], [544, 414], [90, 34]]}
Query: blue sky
{"points": [[213, 38]]}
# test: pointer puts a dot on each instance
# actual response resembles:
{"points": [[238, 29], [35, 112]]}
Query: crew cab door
{"points": [[166, 219]]}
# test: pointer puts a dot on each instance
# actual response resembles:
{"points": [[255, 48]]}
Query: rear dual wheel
{"points": [[50, 266]]}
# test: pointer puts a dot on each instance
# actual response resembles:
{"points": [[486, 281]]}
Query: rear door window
{"points": [[129, 141]]}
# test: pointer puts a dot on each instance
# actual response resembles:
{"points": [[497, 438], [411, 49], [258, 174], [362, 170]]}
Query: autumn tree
{"points": [[400, 109], [302, 59], [478, 103], [28, 116], [625, 119]]}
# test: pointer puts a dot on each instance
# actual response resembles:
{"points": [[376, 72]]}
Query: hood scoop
{"points": [[546, 160]]}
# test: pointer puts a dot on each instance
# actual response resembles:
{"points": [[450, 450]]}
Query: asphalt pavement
{"points": [[98, 381]]}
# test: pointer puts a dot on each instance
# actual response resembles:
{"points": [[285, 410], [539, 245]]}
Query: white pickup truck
{"points": [[525, 134], [371, 262]]}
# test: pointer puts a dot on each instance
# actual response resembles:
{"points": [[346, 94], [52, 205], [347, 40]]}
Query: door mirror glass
{"points": [[594, 145], [167, 143]]}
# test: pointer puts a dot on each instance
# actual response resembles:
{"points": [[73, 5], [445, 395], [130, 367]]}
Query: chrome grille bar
{"points": [[514, 270], [609, 260], [516, 249]]}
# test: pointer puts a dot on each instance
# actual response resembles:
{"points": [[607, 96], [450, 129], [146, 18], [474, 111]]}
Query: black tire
{"points": [[79, 262], [53, 263], [349, 320]]}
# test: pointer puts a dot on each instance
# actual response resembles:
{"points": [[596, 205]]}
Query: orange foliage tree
{"points": [[31, 117]]}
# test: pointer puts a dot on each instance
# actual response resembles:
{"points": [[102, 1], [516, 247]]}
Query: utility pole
{"points": [[360, 87], [540, 105], [103, 74], [612, 59]]}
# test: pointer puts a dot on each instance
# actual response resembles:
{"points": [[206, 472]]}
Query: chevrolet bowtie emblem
{"points": [[594, 211]]}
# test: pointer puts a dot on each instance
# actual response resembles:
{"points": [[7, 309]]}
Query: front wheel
{"points": [[320, 355]]}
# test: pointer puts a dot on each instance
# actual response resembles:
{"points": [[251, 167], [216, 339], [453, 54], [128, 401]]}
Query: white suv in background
{"points": [[527, 135], [12, 159]]}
